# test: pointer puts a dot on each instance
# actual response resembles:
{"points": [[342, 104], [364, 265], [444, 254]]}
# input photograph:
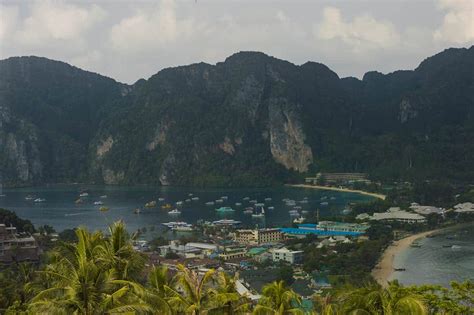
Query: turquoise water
{"points": [[61, 212], [436, 262]]}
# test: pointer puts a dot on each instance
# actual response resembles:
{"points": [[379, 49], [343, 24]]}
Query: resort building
{"points": [[425, 210], [15, 247], [337, 178], [258, 236], [328, 228], [396, 214], [290, 256], [467, 207]]}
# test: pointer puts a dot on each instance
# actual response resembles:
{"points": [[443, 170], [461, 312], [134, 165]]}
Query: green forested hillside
{"points": [[250, 120]]}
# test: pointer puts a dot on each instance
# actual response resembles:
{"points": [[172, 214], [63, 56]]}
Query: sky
{"points": [[129, 40]]}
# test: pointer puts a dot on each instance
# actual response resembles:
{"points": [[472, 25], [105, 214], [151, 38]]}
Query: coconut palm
{"points": [[377, 300], [225, 296], [326, 305], [278, 299], [193, 293], [117, 253], [80, 285]]}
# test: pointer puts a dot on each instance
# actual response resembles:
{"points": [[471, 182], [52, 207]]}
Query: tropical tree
{"points": [[226, 297], [117, 253], [326, 305], [374, 299], [278, 299], [80, 285]]}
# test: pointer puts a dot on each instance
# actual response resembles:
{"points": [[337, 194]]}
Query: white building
{"points": [[425, 210], [467, 207], [258, 236], [396, 214], [290, 256]]}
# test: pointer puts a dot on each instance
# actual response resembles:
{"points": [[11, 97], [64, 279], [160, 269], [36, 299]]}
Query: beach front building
{"points": [[425, 210], [16, 247], [396, 214], [258, 236], [337, 178], [328, 228], [290, 256], [466, 207]]}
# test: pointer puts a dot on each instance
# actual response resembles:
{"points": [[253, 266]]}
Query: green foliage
{"points": [[10, 218]]}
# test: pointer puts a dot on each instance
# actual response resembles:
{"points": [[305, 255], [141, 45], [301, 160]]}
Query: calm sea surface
{"points": [[60, 210], [436, 261]]}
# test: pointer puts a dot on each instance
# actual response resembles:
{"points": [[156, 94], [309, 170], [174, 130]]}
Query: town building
{"points": [[328, 228], [466, 207], [396, 214], [232, 252], [290, 256], [425, 210], [258, 236], [16, 247], [337, 178]]}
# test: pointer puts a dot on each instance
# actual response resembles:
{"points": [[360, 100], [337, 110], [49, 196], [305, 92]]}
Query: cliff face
{"points": [[250, 120]]}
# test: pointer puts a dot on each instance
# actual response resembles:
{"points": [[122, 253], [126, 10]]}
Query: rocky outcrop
{"points": [[227, 146], [407, 111], [248, 97], [111, 177], [159, 136], [287, 138], [104, 146]]}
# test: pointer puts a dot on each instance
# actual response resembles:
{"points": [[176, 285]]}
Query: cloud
{"points": [[362, 33], [53, 21], [458, 23], [148, 30], [8, 20]]}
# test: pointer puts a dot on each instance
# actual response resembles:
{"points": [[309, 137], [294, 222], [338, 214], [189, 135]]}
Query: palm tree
{"points": [[225, 296], [80, 285], [117, 253], [377, 300], [326, 305], [194, 294], [278, 299]]}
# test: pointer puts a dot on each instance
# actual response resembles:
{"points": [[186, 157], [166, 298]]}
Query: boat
{"points": [[225, 209], [84, 194], [137, 211], [190, 194], [248, 211], [238, 204], [98, 203], [415, 245], [179, 203], [161, 199], [299, 220], [346, 211], [224, 197], [39, 200], [79, 201], [259, 215], [297, 208], [195, 198], [187, 200], [455, 247], [324, 197], [324, 203], [333, 198], [226, 222], [183, 228], [103, 196], [268, 199], [150, 204], [305, 212], [209, 203], [166, 206], [253, 201], [290, 203], [219, 201], [303, 201], [29, 197], [246, 198], [174, 211], [174, 224], [104, 209]]}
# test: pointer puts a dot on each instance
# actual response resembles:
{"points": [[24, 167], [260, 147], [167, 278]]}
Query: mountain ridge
{"points": [[250, 120]]}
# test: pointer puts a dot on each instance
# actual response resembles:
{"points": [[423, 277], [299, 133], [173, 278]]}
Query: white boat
{"points": [[188, 200], [224, 197], [98, 203], [179, 203], [324, 203], [246, 198], [173, 224], [84, 194], [299, 220], [268, 199], [183, 228], [226, 222], [190, 194], [346, 211], [253, 201], [195, 198], [38, 200], [29, 197], [219, 201], [161, 199], [248, 211], [174, 211], [305, 212], [271, 208], [455, 247], [137, 211], [238, 204], [303, 201], [259, 215], [103, 196], [259, 204], [333, 198], [210, 203]]}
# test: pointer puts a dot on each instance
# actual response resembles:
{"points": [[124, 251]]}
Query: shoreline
{"points": [[384, 268], [366, 193]]}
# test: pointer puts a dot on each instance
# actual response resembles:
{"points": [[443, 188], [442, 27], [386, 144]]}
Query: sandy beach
{"points": [[380, 196]]}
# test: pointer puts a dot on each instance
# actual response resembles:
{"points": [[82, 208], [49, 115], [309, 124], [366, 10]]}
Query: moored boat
{"points": [[174, 211], [150, 204]]}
